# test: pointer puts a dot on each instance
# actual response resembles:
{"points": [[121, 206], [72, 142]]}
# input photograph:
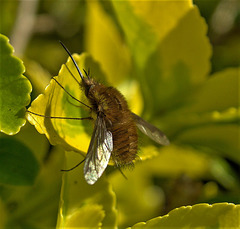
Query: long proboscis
{"points": [[74, 62]]}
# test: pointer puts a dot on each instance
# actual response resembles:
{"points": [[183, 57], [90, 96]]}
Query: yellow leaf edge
{"points": [[175, 212]]}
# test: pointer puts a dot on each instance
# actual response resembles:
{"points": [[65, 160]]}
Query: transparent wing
{"points": [[99, 152], [151, 131]]}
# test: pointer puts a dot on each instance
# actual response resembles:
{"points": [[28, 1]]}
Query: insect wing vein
{"points": [[151, 131], [99, 152]]}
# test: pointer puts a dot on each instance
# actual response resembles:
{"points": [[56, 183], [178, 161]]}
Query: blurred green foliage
{"points": [[177, 70]]}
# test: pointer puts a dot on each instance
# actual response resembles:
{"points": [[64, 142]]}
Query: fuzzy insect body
{"points": [[111, 105], [115, 130]]}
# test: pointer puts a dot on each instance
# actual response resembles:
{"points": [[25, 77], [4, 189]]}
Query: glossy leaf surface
{"points": [[15, 90], [222, 215]]}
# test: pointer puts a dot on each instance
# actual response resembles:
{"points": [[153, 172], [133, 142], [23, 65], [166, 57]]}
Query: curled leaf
{"points": [[56, 102], [221, 215]]}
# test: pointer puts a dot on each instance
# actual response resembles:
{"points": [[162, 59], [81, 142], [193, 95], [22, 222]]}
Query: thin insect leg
{"points": [[67, 170], [122, 173], [72, 74], [86, 118], [88, 72], [117, 165], [71, 95]]}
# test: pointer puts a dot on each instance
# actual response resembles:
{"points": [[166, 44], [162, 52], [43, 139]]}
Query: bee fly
{"points": [[115, 130]]}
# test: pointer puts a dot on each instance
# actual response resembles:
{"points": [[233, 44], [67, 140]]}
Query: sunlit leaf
{"points": [[218, 93], [91, 216], [223, 138], [15, 90], [83, 204], [210, 116], [145, 198], [55, 102], [134, 27], [179, 64], [171, 60], [171, 13], [104, 43], [222, 215]]}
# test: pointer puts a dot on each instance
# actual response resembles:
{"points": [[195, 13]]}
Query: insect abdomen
{"points": [[120, 122], [125, 141], [124, 130]]}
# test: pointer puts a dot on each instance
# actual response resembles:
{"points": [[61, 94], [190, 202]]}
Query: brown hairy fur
{"points": [[111, 103]]}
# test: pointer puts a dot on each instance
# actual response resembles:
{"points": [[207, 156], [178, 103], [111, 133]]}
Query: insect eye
{"points": [[88, 88]]}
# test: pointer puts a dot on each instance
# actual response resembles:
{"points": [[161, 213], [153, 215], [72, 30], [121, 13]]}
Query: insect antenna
{"points": [[87, 73], [67, 170], [80, 73]]}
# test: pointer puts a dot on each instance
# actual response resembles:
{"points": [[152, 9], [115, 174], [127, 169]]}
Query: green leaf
{"points": [[3, 214], [91, 217], [215, 101], [220, 215], [113, 55], [179, 64], [15, 90], [219, 93], [37, 205], [222, 138], [171, 13], [170, 59], [93, 204], [133, 27], [103, 41], [146, 184], [18, 166], [211, 115]]}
